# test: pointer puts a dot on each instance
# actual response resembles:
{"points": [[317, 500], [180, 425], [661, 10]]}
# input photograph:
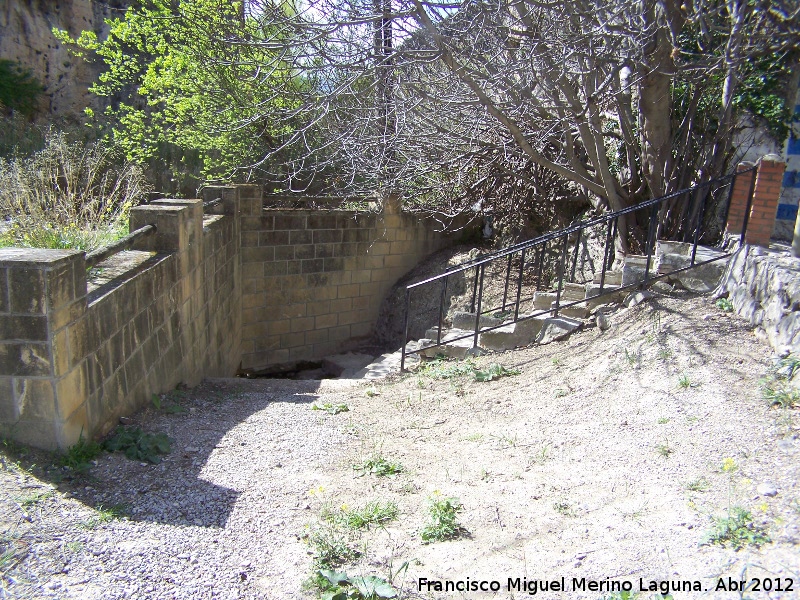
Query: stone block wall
{"points": [[313, 281], [73, 361], [202, 296]]}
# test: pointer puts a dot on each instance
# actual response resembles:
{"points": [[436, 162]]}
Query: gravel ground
{"points": [[606, 457]]}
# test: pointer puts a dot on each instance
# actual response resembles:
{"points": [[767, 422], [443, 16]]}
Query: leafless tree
{"points": [[454, 103]]}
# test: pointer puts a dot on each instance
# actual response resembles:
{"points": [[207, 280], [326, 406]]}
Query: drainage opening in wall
{"points": [[343, 366]]}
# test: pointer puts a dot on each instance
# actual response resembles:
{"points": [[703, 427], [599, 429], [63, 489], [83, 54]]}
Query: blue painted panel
{"points": [[791, 179], [794, 146], [786, 212]]}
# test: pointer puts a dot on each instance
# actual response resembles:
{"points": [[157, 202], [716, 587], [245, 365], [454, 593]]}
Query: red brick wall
{"points": [[765, 200]]}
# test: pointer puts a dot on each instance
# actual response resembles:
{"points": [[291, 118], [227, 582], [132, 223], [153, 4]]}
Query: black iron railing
{"points": [[551, 260]]}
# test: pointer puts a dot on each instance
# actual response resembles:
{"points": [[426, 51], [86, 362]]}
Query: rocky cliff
{"points": [[26, 37]]}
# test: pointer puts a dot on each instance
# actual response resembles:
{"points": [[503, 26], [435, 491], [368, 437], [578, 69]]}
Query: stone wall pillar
{"points": [[742, 186], [765, 200], [43, 397], [179, 229]]}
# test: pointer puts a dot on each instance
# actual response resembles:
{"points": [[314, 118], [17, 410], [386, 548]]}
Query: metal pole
{"points": [[508, 274], [478, 312], [747, 208], [605, 256], [519, 284], [650, 242], [441, 311], [561, 274], [405, 332]]}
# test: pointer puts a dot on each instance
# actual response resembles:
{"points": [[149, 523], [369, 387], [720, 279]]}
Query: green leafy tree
{"points": [[180, 97], [19, 89]]}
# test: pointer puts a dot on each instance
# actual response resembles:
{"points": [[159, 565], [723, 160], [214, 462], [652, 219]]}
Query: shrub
{"points": [[68, 195]]}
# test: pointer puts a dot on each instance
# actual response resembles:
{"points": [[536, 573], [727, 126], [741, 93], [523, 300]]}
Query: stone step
{"points": [[543, 300], [450, 346], [576, 311], [513, 335], [556, 328], [612, 278], [466, 320]]}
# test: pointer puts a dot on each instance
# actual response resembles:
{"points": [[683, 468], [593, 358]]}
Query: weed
{"points": [[79, 457], [34, 498], [632, 357], [664, 353], [684, 382], [331, 547], [74, 546], [494, 371], [563, 508], [372, 513], [378, 465], [736, 530], [340, 586], [542, 456], [556, 362], [474, 437], [171, 409], [729, 465], [507, 441], [105, 515], [442, 522], [137, 445], [442, 368], [724, 305], [700, 484], [663, 420], [372, 392], [664, 449], [330, 408], [777, 387], [560, 393]]}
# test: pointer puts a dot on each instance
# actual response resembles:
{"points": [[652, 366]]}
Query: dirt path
{"points": [[606, 457]]}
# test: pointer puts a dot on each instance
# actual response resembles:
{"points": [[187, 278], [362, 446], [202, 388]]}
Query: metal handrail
{"points": [[99, 255], [541, 242]]}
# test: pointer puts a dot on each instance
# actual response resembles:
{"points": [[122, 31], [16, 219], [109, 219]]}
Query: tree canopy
{"points": [[520, 107]]}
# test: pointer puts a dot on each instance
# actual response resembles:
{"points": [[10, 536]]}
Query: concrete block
{"points": [[556, 328], [25, 359], [35, 399], [466, 320]]}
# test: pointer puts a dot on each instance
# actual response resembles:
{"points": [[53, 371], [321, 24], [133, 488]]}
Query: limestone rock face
{"points": [[26, 37]]}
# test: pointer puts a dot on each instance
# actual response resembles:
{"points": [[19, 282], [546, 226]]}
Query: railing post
{"points": [[650, 241], [561, 273], [519, 284], [441, 311], [405, 332], [508, 275], [478, 311]]}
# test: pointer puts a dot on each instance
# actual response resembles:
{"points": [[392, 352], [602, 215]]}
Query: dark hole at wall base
{"points": [[303, 369]]}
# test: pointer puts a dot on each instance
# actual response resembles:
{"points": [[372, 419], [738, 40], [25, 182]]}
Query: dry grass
{"points": [[68, 195]]}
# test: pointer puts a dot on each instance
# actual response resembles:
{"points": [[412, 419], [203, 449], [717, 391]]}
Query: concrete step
{"points": [[513, 335], [466, 320], [386, 364], [450, 346], [612, 278], [556, 328], [576, 311]]}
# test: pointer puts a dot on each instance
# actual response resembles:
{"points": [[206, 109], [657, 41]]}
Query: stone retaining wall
{"points": [[204, 296], [764, 286]]}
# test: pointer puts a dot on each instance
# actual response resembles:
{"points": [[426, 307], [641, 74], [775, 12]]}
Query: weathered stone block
{"points": [[72, 390], [35, 399], [25, 359], [23, 328]]}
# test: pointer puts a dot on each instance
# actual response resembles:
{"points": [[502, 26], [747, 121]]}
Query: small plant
{"points": [[74, 546], [556, 362], [137, 445], [442, 523], [664, 449], [664, 353], [777, 386], [171, 408], [494, 371], [563, 508], [698, 485], [542, 455], [474, 437], [379, 466], [79, 457], [372, 513], [105, 515], [34, 498], [330, 408], [340, 586], [736, 530], [442, 368], [724, 305], [560, 393], [663, 420], [331, 546], [372, 392], [632, 356], [684, 382]]}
